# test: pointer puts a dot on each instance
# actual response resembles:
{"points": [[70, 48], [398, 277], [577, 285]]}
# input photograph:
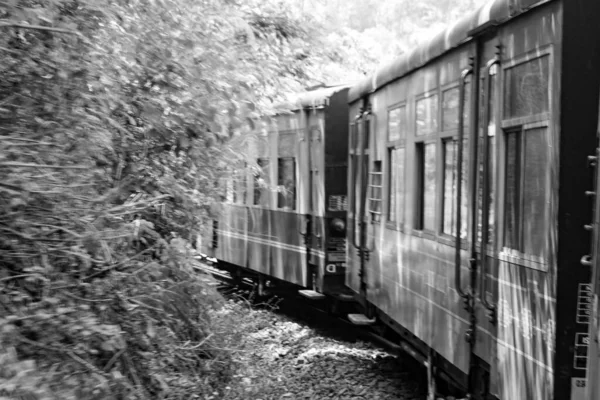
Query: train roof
{"points": [[495, 12], [312, 98]]}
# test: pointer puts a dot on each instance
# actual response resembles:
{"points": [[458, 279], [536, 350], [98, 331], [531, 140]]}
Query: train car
{"points": [[467, 168], [285, 221], [593, 260]]}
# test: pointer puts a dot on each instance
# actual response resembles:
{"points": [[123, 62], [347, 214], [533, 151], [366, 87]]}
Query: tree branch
{"points": [[8, 164], [38, 28]]}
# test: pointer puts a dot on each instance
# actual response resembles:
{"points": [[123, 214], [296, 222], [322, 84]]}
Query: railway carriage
{"points": [[467, 173], [593, 259], [285, 222]]}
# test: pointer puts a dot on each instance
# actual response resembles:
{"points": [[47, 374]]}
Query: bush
{"points": [[114, 121]]}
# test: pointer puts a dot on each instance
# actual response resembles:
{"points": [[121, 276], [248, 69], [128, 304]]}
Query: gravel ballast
{"points": [[279, 358]]}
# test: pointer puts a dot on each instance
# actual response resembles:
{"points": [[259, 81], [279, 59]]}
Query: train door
{"points": [[359, 187], [480, 83], [487, 189], [317, 261], [305, 187], [313, 233], [593, 367], [484, 243]]}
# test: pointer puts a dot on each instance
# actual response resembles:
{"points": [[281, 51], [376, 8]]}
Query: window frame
{"points": [[544, 51], [419, 143], [426, 95], [261, 191], [509, 254], [455, 85], [279, 184], [521, 125], [375, 215], [419, 192], [392, 145]]}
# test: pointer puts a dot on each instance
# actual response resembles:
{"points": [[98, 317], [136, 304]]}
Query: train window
{"points": [[353, 136], [397, 124], [427, 186], [526, 191], [234, 188], [229, 190], [396, 185], [375, 190], [535, 169], [450, 106], [450, 109], [451, 186], [367, 132], [526, 88], [427, 115], [286, 144], [261, 180], [238, 186], [511, 211], [286, 180]]}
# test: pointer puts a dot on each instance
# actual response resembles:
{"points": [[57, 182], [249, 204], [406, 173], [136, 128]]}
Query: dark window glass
{"points": [[427, 114], [396, 176], [492, 100], [367, 132], [467, 107], [261, 182], [526, 191], [526, 91], [286, 180], [535, 167], [450, 100], [511, 212], [397, 124], [429, 160]]}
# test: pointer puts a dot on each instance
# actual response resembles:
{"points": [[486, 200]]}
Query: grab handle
{"points": [[461, 127], [355, 137], [485, 201]]}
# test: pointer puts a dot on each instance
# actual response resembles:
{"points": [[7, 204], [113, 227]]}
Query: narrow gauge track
{"points": [[314, 314], [293, 306]]}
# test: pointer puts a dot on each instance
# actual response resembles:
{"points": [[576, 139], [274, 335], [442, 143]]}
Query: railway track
{"points": [[290, 304], [393, 371], [313, 313], [316, 315]]}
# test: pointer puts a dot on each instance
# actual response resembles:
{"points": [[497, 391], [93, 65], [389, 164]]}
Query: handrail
{"points": [[461, 128], [485, 201], [366, 186], [356, 138]]}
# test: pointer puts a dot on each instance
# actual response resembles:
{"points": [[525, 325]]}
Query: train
{"points": [[449, 197]]}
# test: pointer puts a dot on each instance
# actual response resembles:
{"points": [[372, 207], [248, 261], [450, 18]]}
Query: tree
{"points": [[114, 122]]}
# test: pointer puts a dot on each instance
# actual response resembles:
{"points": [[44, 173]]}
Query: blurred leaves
{"points": [[116, 118]]}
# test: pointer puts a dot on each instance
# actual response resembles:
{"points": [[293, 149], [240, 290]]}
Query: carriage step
{"points": [[311, 294], [360, 319], [345, 297]]}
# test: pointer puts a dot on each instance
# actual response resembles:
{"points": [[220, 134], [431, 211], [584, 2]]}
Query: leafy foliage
{"points": [[114, 119]]}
